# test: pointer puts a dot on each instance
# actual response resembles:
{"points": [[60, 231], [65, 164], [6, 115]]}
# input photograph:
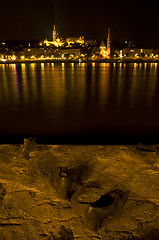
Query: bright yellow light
{"points": [[13, 57], [23, 65], [121, 53], [42, 66]]}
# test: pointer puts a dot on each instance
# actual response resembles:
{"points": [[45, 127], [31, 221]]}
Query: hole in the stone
{"points": [[104, 201]]}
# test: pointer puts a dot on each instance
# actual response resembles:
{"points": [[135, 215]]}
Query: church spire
{"points": [[54, 34], [108, 43], [108, 39]]}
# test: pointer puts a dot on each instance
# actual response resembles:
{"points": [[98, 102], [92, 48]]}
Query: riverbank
{"points": [[124, 60], [30, 207]]}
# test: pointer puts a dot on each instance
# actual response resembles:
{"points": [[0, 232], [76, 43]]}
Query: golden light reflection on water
{"points": [[79, 80], [73, 90], [33, 82], [104, 85], [53, 85], [151, 85], [82, 65], [63, 66], [9, 84], [93, 64], [52, 65], [25, 82], [16, 83], [143, 85], [118, 84], [3, 83], [136, 65], [42, 66], [73, 66]]}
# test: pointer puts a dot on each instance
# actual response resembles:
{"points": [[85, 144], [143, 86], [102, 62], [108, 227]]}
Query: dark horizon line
{"points": [[114, 139]]}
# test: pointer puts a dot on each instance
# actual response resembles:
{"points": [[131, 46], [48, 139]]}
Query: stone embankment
{"points": [[31, 207]]}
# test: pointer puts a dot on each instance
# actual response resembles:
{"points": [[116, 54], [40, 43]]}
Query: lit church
{"points": [[105, 51], [56, 40]]}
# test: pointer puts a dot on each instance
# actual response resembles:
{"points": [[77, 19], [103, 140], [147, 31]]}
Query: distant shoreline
{"points": [[82, 61]]}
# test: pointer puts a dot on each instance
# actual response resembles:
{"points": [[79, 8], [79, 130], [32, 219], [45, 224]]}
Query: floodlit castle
{"points": [[105, 51]]}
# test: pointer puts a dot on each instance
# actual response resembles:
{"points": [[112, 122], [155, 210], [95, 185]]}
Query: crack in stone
{"points": [[143, 201], [81, 202], [43, 234], [81, 236], [63, 220], [9, 224], [49, 222], [45, 203], [20, 191], [12, 218]]}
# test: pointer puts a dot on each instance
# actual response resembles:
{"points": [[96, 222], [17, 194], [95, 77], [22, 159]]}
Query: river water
{"points": [[80, 102]]}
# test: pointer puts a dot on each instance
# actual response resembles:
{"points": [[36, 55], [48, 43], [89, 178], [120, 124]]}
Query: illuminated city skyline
{"points": [[33, 20]]}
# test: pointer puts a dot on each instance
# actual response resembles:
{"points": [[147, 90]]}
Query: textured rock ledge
{"points": [[31, 209]]}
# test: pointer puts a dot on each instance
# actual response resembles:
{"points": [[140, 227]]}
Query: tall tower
{"points": [[108, 43], [54, 34]]}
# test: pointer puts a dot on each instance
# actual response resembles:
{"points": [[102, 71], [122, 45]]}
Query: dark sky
{"points": [[33, 19]]}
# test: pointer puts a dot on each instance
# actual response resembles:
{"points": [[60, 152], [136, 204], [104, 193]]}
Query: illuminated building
{"points": [[95, 52], [105, 51], [130, 52], [121, 53], [56, 41], [70, 53], [72, 40], [54, 34]]}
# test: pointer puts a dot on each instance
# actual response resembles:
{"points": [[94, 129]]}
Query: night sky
{"points": [[34, 19]]}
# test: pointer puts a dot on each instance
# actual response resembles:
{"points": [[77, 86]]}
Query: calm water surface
{"points": [[87, 100]]}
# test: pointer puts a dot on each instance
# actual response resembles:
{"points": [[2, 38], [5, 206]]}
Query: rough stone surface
{"points": [[30, 208]]}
